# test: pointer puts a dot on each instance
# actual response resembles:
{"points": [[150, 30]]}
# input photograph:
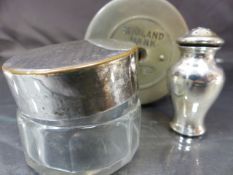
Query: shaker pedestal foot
{"points": [[188, 130]]}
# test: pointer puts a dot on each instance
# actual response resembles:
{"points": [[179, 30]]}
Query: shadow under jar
{"points": [[78, 106]]}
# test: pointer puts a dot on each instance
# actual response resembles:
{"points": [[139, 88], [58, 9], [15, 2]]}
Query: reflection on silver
{"points": [[195, 81]]}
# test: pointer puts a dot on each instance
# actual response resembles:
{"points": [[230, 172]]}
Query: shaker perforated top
{"points": [[201, 37], [68, 56]]}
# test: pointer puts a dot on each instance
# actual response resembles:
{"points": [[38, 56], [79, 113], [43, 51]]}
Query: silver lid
{"points": [[201, 37], [74, 79]]}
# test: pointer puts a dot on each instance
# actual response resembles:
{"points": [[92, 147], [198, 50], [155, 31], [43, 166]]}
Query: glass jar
{"points": [[79, 111]]}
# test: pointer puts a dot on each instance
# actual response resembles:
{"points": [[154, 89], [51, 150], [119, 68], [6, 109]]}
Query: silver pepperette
{"points": [[195, 81]]}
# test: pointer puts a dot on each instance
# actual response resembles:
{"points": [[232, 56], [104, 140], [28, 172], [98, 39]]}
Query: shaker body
{"points": [[195, 83]]}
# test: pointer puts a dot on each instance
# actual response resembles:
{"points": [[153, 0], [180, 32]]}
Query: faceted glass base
{"points": [[97, 149], [103, 171]]}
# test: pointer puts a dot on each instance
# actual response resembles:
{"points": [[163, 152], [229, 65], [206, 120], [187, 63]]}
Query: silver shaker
{"points": [[195, 81], [78, 106]]}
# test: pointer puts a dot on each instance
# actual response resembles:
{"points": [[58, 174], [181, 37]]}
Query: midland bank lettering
{"points": [[143, 38]]}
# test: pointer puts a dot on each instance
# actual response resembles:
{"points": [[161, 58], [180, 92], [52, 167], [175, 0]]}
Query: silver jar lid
{"points": [[201, 37], [68, 57], [154, 25], [73, 79]]}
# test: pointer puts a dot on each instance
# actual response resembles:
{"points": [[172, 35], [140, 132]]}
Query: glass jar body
{"points": [[97, 145]]}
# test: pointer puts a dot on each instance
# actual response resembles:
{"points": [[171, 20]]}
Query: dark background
{"points": [[26, 24]]}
